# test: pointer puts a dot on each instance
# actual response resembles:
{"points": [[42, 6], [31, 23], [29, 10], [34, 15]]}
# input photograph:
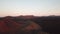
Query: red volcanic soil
{"points": [[8, 27], [3, 27]]}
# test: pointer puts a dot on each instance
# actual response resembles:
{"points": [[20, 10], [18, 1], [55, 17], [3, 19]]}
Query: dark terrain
{"points": [[30, 25], [49, 24]]}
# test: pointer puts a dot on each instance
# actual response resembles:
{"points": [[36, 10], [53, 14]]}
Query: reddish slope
{"points": [[8, 26], [3, 27]]}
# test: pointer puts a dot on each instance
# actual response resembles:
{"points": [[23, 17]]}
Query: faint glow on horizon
{"points": [[29, 7]]}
